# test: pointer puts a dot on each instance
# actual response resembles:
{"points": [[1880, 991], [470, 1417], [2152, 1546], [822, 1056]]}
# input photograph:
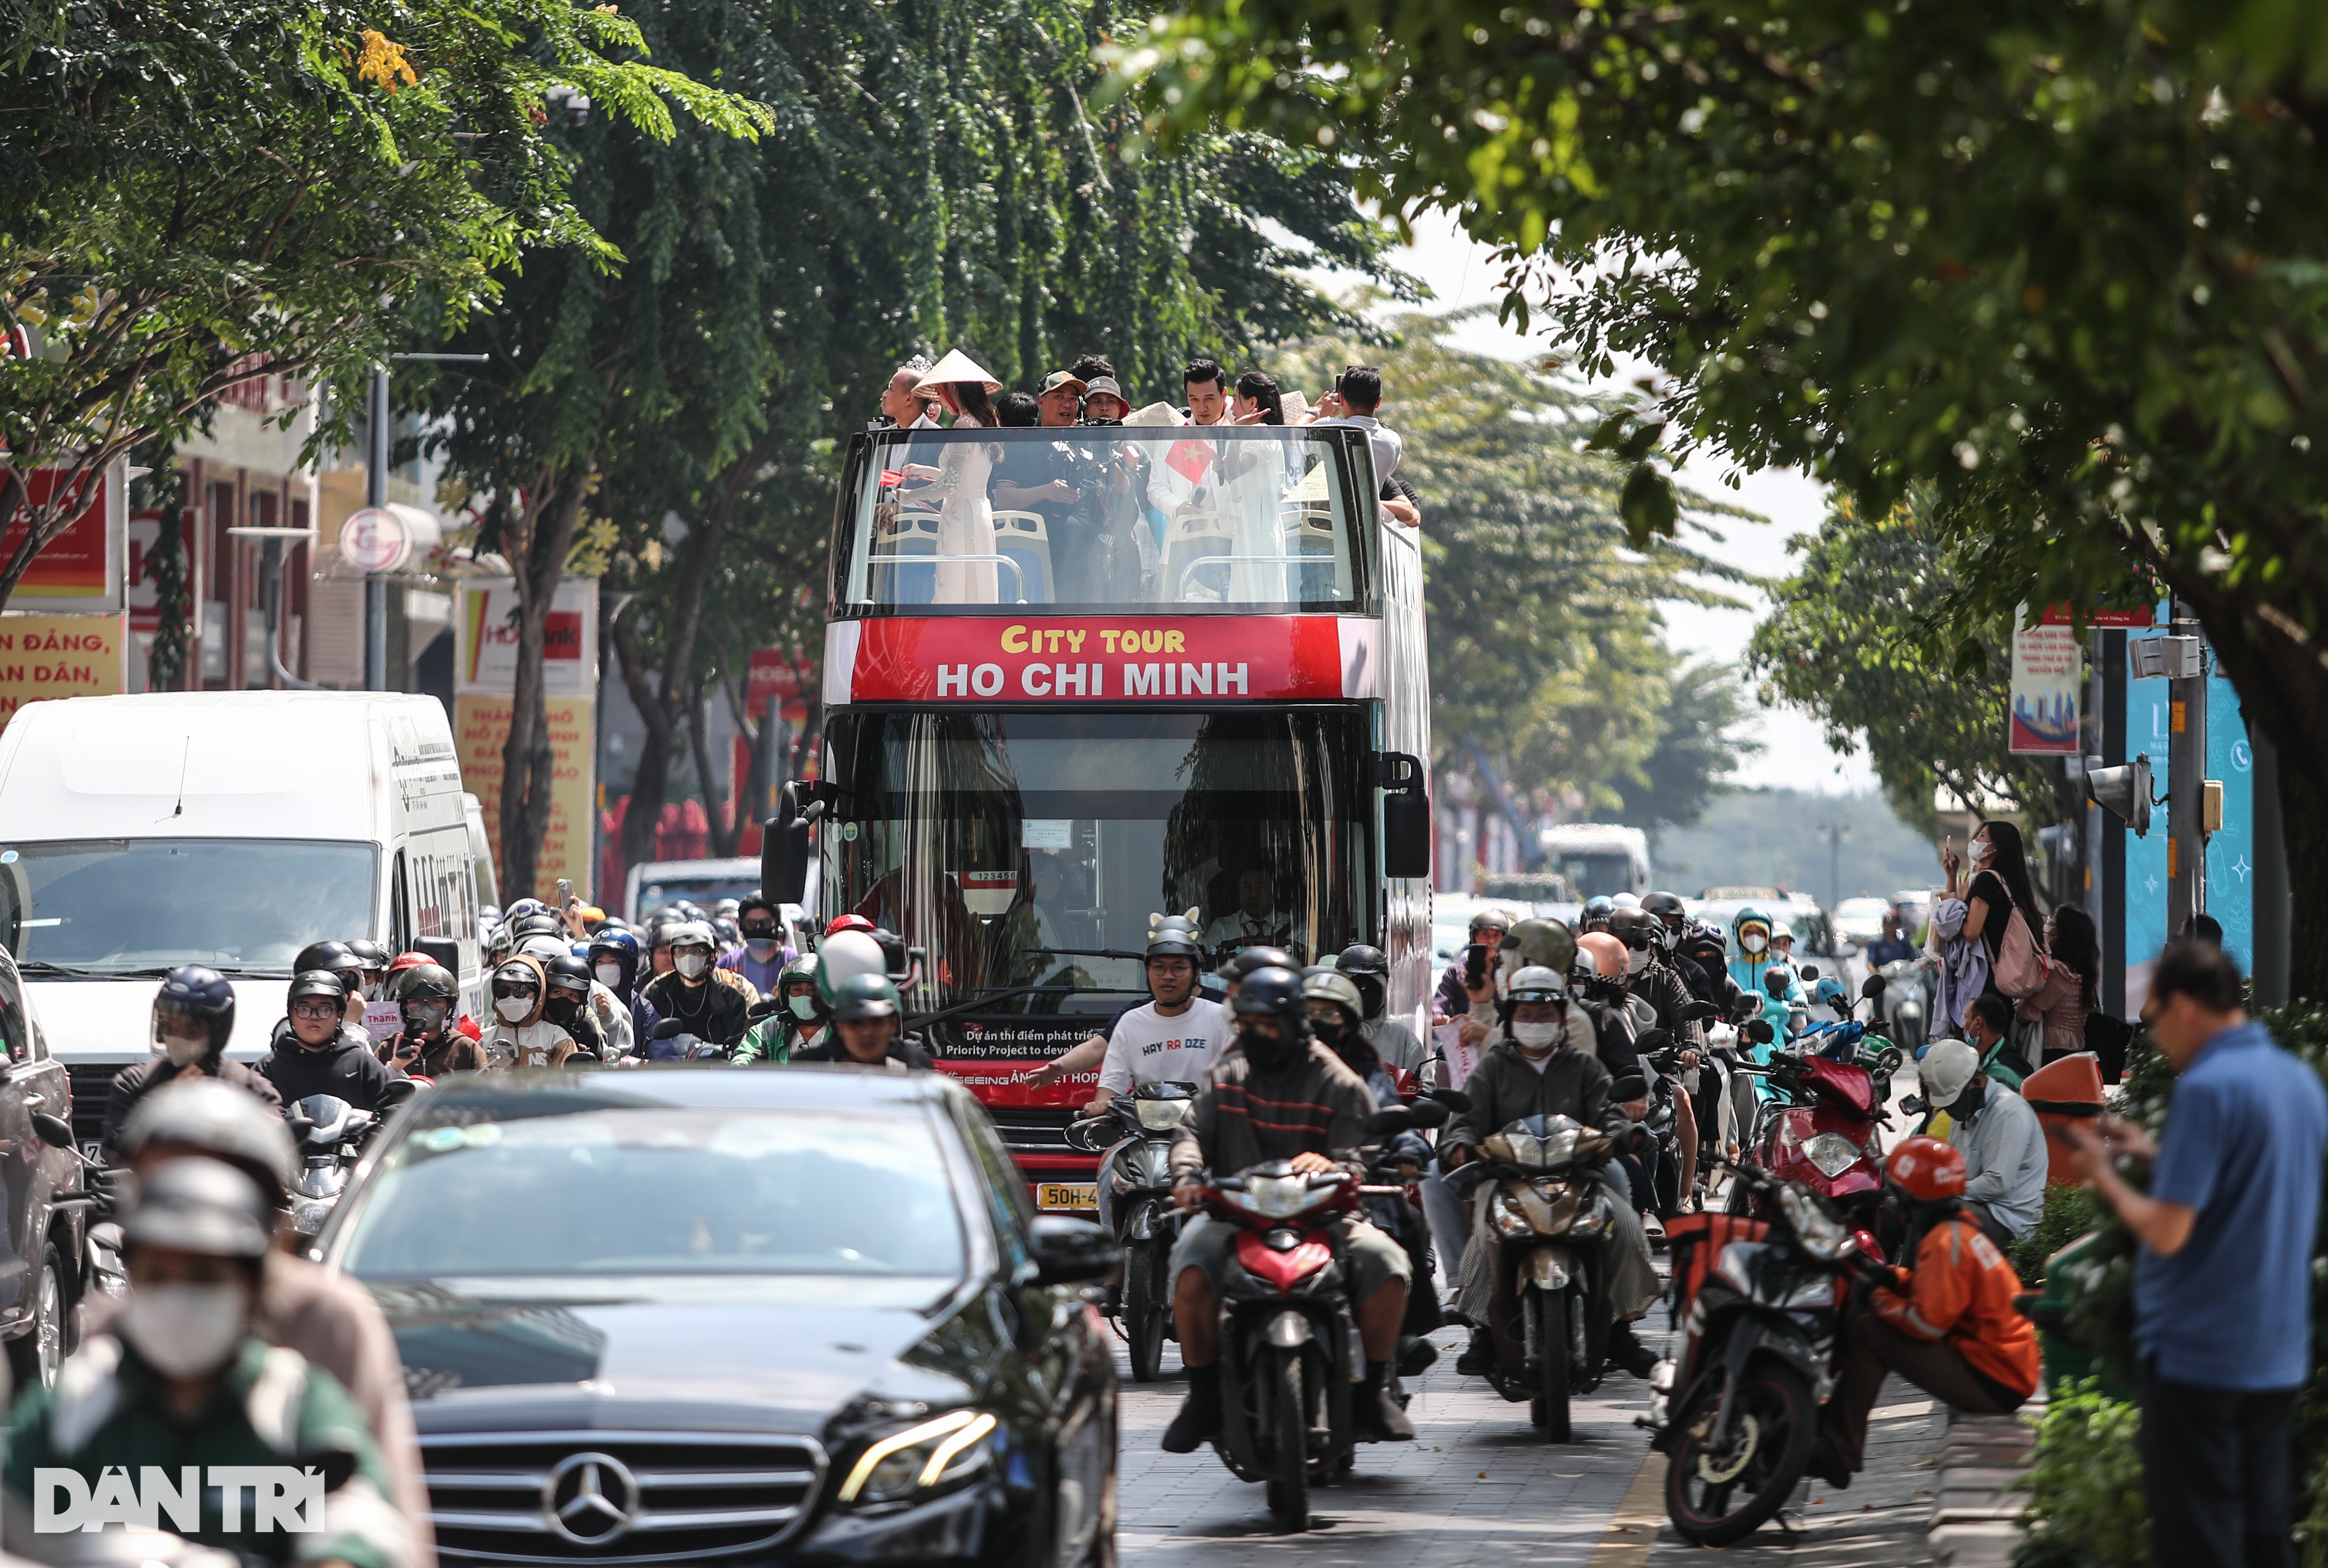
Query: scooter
{"points": [[1760, 1301], [330, 1135], [1819, 1130], [1134, 1138], [1548, 1318], [1906, 1003], [1290, 1352]]}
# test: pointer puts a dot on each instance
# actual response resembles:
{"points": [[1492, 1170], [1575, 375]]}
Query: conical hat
{"points": [[1295, 407], [1155, 413], [955, 367]]}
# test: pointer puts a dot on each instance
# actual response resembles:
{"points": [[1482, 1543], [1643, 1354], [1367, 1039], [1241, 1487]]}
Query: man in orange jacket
{"points": [[1949, 1327]]}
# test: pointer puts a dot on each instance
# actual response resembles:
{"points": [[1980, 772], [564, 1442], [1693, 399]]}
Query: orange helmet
{"points": [[1927, 1169], [1606, 953]]}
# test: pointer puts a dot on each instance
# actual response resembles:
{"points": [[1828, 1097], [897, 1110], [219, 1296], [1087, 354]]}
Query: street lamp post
{"points": [[376, 495]]}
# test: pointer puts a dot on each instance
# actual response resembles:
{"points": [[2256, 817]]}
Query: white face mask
{"points": [[182, 1050], [513, 1007], [1753, 941], [690, 964], [1635, 960], [185, 1331], [803, 1007], [1979, 851], [609, 975], [1535, 1039]]}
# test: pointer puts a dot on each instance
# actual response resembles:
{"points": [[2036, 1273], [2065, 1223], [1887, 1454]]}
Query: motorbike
{"points": [[1906, 1003], [1549, 1316], [1829, 1091], [1134, 1138], [1668, 1080], [330, 1135], [1760, 1301], [1290, 1352], [691, 1046]]}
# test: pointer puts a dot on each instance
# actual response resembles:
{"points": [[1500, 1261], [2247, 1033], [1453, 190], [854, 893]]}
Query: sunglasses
{"points": [[502, 990], [759, 930]]}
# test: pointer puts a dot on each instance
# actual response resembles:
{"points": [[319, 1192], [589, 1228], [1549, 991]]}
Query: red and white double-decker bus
{"points": [[1075, 677]]}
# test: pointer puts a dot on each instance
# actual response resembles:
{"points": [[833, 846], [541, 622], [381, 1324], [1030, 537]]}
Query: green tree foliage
{"points": [[1545, 635], [195, 192], [1698, 747], [2061, 263], [1850, 639]]}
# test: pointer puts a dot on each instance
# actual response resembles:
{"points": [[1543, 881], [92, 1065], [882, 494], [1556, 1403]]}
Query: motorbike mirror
{"points": [[1651, 1041], [1631, 1086], [1811, 971], [1761, 1032], [1454, 1099], [1427, 1114], [54, 1131], [1700, 1012], [1873, 990], [666, 1028], [1391, 1119], [767, 1007], [397, 1091]]}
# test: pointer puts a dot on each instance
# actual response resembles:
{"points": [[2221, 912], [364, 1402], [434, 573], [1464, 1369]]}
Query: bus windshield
{"points": [[1245, 518], [1031, 848]]}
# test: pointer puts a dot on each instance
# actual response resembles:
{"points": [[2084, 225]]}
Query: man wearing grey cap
{"points": [[182, 1383]]}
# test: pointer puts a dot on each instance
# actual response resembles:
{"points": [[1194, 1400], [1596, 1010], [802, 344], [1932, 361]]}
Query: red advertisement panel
{"points": [[1101, 659], [73, 565]]}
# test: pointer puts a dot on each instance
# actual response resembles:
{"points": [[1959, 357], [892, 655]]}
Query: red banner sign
{"points": [[773, 675], [1102, 659], [2065, 615], [72, 564]]}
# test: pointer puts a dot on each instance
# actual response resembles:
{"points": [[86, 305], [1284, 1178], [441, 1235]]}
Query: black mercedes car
{"points": [[682, 1315]]}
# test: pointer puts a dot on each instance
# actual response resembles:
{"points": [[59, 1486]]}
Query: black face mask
{"points": [[1267, 1054], [1970, 1103], [561, 1007], [1328, 1029]]}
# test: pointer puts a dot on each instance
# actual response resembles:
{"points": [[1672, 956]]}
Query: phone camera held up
{"points": [[1475, 964]]}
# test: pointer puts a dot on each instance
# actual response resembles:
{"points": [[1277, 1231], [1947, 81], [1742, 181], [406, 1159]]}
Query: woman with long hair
{"points": [[966, 515], [2071, 992], [1998, 887], [1258, 400]]}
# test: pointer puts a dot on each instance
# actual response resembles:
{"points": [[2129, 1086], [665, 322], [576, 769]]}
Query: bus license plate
{"points": [[1067, 1195]]}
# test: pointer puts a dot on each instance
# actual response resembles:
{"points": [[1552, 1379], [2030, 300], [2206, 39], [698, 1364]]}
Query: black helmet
{"points": [[1369, 970], [373, 954], [1663, 905], [1489, 919], [198, 992], [321, 956], [1596, 913], [319, 983], [1174, 936], [541, 924], [568, 973], [1256, 959], [1638, 929], [430, 981], [1274, 991]]}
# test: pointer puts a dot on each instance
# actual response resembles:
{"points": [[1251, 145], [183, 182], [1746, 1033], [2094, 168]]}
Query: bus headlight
{"points": [[939, 1453]]}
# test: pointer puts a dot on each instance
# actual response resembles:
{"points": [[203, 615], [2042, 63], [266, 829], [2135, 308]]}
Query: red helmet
{"points": [[849, 923], [409, 961], [1927, 1169]]}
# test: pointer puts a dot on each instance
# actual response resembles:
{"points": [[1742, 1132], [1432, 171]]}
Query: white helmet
{"points": [[1627, 900], [1537, 984], [1945, 1070], [692, 934]]}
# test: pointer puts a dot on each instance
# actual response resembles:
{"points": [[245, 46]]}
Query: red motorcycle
{"points": [[1289, 1353], [1819, 1129]]}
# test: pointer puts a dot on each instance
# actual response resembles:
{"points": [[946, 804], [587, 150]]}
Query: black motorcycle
{"points": [[1761, 1300], [332, 1135], [1134, 1138]]}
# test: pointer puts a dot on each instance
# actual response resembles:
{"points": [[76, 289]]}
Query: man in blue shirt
{"points": [[2222, 1289]]}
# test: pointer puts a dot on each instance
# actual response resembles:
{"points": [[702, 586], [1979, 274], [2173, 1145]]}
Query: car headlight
{"points": [[938, 1452], [1832, 1152]]}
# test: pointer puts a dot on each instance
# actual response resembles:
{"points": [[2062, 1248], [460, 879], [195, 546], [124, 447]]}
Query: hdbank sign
{"points": [[1101, 659], [281, 1497]]}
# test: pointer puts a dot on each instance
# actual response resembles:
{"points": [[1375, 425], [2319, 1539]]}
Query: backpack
{"points": [[2019, 967]]}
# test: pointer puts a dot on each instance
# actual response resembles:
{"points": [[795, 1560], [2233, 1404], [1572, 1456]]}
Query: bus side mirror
{"points": [[442, 951], [783, 848], [1406, 814]]}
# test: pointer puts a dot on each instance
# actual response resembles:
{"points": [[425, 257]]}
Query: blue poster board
{"points": [[2230, 852]]}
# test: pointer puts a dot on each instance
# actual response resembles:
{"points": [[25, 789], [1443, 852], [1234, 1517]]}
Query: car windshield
{"points": [[1031, 848], [662, 1193], [1595, 873], [124, 906], [1121, 517]]}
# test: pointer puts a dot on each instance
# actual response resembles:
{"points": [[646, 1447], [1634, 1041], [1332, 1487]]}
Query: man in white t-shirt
{"points": [[1172, 1037]]}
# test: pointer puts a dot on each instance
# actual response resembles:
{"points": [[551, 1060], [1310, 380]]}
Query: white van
{"points": [[227, 828]]}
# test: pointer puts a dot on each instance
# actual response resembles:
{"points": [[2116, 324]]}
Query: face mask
{"points": [[1974, 1097], [1535, 1039], [182, 1050], [1267, 1055], [561, 1009], [803, 1007], [609, 975], [1979, 851], [513, 1008], [1328, 1029], [762, 948], [185, 1331], [1753, 941], [1635, 960], [691, 964]]}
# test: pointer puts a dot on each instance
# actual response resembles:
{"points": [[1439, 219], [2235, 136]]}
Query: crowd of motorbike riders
{"points": [[1614, 1072]]}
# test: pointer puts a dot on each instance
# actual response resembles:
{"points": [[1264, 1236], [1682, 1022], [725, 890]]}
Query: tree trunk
{"points": [[2282, 680], [528, 765], [699, 733], [664, 706]]}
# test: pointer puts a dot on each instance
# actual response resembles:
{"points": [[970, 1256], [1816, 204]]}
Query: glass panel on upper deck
{"points": [[1108, 517]]}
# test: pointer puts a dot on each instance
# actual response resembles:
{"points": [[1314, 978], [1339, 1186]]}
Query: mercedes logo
{"points": [[589, 1497]]}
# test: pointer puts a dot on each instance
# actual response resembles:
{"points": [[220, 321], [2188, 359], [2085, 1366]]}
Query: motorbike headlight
{"points": [[307, 1216], [1832, 1152], [1824, 1239], [937, 1453], [1163, 1115], [1277, 1197], [1509, 1218]]}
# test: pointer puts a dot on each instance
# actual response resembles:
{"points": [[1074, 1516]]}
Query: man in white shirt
{"points": [[1171, 1039], [2000, 1137], [1356, 393], [899, 406], [1256, 921]]}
